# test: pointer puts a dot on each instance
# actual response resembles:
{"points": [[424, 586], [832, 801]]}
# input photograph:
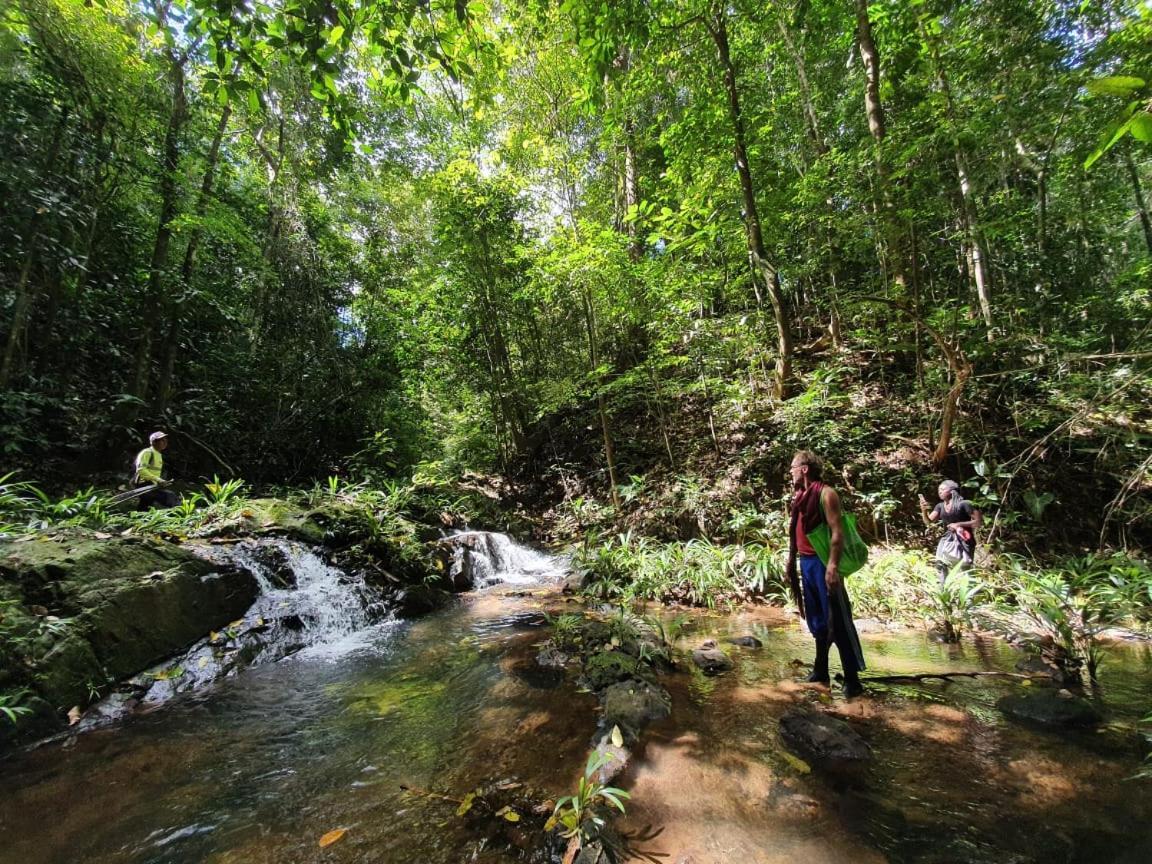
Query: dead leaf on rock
{"points": [[74, 715], [332, 836]]}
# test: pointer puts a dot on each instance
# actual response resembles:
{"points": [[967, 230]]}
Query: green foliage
{"points": [[581, 815], [696, 572], [1073, 605], [896, 584], [954, 603]]}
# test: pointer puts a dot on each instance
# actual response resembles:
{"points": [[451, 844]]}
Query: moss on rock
{"points": [[81, 610]]}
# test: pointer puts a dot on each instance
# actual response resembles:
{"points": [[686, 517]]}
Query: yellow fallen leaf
{"points": [[202, 662], [332, 836], [512, 816], [617, 736], [74, 715], [466, 804], [798, 764]]}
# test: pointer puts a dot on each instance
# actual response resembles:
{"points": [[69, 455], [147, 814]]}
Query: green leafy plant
{"points": [[1072, 607], [220, 493], [952, 604], [10, 707], [581, 816]]}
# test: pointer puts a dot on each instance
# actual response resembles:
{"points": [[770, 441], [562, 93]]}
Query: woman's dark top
{"points": [[961, 511]]}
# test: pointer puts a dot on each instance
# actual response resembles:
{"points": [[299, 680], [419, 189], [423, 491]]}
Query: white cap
{"points": [[156, 436]]}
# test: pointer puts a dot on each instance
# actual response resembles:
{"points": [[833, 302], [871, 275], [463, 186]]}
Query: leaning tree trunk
{"points": [[762, 267], [1141, 208]]}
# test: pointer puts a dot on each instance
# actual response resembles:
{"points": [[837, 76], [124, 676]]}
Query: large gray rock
{"points": [[1055, 709], [86, 610], [823, 739], [635, 704], [711, 659]]}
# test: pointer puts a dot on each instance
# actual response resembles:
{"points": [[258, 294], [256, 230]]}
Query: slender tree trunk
{"points": [[26, 293], [890, 227], [601, 407], [762, 268], [150, 316], [969, 217], [1141, 208], [171, 345]]}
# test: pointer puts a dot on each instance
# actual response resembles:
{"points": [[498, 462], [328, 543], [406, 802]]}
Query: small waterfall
{"points": [[304, 605], [320, 601], [482, 558]]}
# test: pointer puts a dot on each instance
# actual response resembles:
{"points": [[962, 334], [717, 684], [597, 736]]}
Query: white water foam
{"points": [[495, 558]]}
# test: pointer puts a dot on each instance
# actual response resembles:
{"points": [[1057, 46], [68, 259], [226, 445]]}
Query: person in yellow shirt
{"points": [[150, 472]]}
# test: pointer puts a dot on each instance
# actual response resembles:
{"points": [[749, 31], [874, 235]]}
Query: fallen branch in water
{"points": [[948, 676]]}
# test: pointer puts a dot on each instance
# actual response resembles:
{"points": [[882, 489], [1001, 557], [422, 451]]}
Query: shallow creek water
{"points": [[952, 779], [257, 767]]}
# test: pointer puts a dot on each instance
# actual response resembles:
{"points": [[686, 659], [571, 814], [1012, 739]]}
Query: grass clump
{"points": [[695, 573]]}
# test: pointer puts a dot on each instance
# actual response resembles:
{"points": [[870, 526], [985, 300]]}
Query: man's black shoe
{"points": [[816, 678], [853, 688]]}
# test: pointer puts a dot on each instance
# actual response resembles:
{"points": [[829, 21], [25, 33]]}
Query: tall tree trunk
{"points": [[969, 217], [601, 407], [1141, 208], [25, 290], [150, 317], [176, 303], [762, 268], [889, 221], [811, 120]]}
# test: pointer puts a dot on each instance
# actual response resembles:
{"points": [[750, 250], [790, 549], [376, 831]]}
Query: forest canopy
{"points": [[331, 236]]}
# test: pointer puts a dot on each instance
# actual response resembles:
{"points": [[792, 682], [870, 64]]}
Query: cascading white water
{"points": [[328, 602], [488, 558]]}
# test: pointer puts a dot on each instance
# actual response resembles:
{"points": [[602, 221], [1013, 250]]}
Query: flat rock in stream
{"points": [[745, 642], [635, 704], [823, 739], [1049, 708], [711, 659]]}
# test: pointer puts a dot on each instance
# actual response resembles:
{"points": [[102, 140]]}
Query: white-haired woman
{"points": [[961, 521]]}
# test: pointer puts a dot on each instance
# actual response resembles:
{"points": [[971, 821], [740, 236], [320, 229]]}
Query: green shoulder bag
{"points": [[855, 552]]}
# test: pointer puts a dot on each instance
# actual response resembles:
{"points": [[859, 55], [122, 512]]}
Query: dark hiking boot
{"points": [[819, 673], [853, 687]]}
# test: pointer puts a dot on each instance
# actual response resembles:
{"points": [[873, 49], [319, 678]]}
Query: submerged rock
{"points": [[823, 739], [711, 659], [746, 642], [635, 704], [1050, 708]]}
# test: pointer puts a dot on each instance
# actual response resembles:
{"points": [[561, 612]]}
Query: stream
{"points": [[343, 704]]}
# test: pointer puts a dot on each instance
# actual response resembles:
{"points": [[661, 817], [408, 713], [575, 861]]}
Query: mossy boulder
{"points": [[604, 668], [79, 611], [328, 522]]}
